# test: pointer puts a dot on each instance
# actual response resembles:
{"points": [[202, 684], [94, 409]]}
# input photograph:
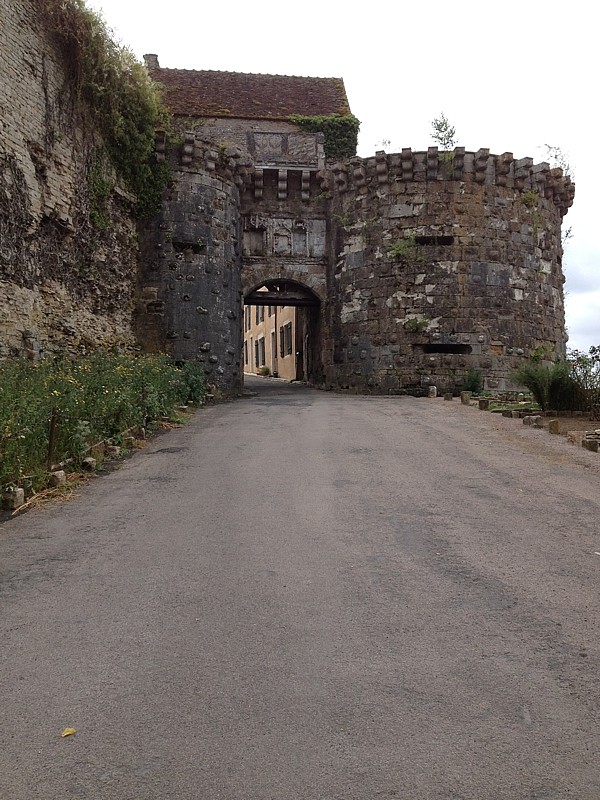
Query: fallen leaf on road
{"points": [[68, 732]]}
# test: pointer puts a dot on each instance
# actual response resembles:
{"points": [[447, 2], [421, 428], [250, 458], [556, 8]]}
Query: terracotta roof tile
{"points": [[209, 93]]}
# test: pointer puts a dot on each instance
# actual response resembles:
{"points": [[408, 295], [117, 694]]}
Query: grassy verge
{"points": [[90, 399]]}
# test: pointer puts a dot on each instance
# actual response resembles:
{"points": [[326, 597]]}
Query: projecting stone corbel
{"points": [[282, 185], [306, 185]]}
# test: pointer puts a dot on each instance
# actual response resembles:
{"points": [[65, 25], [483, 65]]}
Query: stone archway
{"points": [[282, 330]]}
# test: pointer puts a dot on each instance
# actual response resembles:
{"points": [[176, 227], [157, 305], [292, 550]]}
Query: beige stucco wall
{"points": [[284, 366]]}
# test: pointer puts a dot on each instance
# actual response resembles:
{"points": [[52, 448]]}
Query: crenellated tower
{"points": [[443, 262]]}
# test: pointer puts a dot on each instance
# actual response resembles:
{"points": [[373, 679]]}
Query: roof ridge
{"points": [[253, 74]]}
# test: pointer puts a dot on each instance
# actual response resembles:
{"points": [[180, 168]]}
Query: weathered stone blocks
{"points": [[466, 272]]}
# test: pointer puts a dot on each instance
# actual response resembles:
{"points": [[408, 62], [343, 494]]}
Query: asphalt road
{"points": [[303, 596]]}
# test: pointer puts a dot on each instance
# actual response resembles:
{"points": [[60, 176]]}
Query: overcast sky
{"points": [[511, 76]]}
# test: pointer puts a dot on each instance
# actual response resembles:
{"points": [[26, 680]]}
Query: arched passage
{"points": [[281, 330]]}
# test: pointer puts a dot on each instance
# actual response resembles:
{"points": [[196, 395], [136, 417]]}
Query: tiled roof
{"points": [[208, 93]]}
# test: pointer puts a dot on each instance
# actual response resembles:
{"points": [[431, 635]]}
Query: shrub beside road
{"points": [[54, 410]]}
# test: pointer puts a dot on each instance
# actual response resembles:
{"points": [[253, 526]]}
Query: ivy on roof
{"points": [[341, 132]]}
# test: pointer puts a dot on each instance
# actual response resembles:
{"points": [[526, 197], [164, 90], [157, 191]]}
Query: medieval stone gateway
{"points": [[427, 264], [423, 265]]}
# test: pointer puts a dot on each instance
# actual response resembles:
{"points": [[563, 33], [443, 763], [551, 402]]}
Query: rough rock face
{"points": [[444, 263], [64, 284]]}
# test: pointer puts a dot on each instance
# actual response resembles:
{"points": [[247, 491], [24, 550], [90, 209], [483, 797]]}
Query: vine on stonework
{"points": [[124, 104], [100, 188], [341, 133]]}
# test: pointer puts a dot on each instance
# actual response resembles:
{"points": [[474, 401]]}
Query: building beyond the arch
{"points": [[427, 265]]}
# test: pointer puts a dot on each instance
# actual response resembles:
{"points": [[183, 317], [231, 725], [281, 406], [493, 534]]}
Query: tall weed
{"points": [[92, 398]]}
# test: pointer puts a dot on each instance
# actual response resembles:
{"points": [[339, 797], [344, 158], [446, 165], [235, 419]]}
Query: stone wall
{"points": [[251, 137], [442, 263], [64, 285], [285, 231]]}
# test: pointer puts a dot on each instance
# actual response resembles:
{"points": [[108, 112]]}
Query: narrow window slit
{"points": [[439, 240]]}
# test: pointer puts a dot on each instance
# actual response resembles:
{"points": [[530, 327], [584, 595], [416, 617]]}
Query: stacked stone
{"points": [[591, 440], [456, 165]]}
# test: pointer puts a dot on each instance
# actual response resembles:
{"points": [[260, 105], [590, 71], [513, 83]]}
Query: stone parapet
{"points": [[456, 165], [197, 154]]}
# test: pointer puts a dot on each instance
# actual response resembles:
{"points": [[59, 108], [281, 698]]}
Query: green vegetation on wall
{"points": [[416, 324], [530, 199], [341, 133], [404, 250], [100, 188], [125, 106]]}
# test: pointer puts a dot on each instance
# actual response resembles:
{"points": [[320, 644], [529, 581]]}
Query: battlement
{"points": [[228, 163], [456, 165]]}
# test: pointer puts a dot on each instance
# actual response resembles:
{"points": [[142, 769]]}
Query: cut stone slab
{"points": [[13, 498], [535, 420], [57, 478], [575, 437]]}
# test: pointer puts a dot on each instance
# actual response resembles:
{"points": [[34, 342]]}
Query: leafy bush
{"points": [[585, 368], [92, 398], [564, 392], [473, 382], [552, 386], [192, 376]]}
